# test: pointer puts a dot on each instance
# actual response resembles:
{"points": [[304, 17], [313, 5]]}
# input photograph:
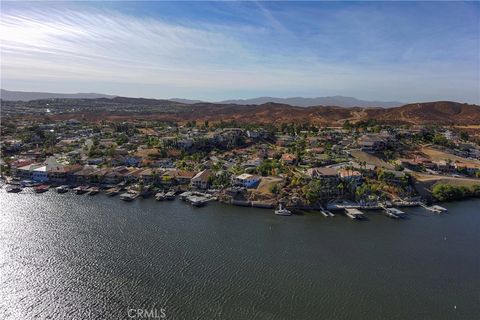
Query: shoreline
{"points": [[197, 198]]}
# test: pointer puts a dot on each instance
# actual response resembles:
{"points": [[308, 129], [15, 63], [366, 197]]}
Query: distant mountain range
{"points": [[124, 109], [27, 96], [339, 101]]}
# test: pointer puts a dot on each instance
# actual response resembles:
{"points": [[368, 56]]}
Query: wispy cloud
{"points": [[271, 52]]}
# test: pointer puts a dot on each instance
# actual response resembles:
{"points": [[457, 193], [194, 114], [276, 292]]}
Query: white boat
{"points": [[62, 189], [282, 211], [93, 191], [160, 196], [112, 192], [41, 188], [80, 189], [184, 195], [439, 208], [394, 212], [435, 208], [170, 195], [127, 196], [13, 189]]}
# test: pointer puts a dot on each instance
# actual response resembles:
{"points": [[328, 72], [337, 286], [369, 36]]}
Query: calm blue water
{"points": [[66, 256]]}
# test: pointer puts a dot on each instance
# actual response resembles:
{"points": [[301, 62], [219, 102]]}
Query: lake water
{"points": [[66, 256]]}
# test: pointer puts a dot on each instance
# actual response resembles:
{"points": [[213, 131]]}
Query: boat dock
{"points": [[434, 208], [112, 192], [128, 196], [354, 213], [392, 212], [326, 212], [170, 195], [196, 199]]}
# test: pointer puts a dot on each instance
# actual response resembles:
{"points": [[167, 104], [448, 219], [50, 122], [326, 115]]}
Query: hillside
{"points": [[443, 112], [339, 101], [121, 108], [28, 96]]}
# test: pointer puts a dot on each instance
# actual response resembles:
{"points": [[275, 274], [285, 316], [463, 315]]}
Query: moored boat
{"points": [[13, 189], [160, 196], [62, 189], [41, 188], [439, 208], [128, 196], [170, 195], [281, 211], [394, 212], [80, 189], [93, 191], [112, 192]]}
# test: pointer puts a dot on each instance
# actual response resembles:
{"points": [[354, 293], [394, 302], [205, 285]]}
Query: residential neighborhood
{"points": [[300, 165]]}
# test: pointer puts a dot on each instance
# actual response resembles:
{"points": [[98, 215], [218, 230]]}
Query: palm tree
{"points": [[341, 187]]}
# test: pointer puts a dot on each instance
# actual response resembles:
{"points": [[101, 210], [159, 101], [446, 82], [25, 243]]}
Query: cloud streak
{"points": [[122, 53]]}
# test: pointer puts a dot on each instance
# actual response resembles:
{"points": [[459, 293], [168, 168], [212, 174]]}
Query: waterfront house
{"points": [[201, 179], [82, 176], [20, 163], [26, 172], [116, 175], [40, 174], [97, 176], [61, 174], [183, 177], [149, 176], [329, 180], [246, 180]]}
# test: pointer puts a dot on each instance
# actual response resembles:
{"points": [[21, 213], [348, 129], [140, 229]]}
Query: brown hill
{"points": [[120, 108], [442, 112]]}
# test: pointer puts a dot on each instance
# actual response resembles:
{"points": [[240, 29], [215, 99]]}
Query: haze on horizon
{"points": [[393, 51]]}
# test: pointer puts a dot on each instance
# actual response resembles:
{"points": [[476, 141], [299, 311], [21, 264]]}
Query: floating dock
{"points": [[127, 196], [394, 212], [170, 195], [354, 213], [160, 196], [435, 208], [112, 192], [197, 201], [326, 212]]}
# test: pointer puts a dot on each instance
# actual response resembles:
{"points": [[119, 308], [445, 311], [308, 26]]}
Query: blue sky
{"points": [[403, 51]]}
